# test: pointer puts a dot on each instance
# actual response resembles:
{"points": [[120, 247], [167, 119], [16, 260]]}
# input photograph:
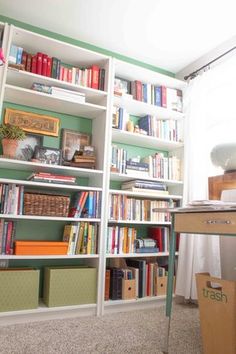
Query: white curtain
{"points": [[210, 119]]}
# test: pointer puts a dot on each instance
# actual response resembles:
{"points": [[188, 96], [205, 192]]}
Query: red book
{"points": [[44, 64], [163, 96], [39, 63], [49, 66], [69, 76], [61, 75], [65, 74], [95, 77], [34, 64], [138, 90], [156, 234], [8, 237]]}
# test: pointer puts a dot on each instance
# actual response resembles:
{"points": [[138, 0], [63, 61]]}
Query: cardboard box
{"points": [[128, 289], [19, 289], [161, 285], [64, 286], [40, 248], [217, 306]]}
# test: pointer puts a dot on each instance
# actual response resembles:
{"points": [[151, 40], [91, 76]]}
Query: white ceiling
{"points": [[169, 34]]}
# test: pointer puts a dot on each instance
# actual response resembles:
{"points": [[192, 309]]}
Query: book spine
{"points": [[34, 64], [44, 64], [39, 63], [49, 67], [28, 62], [54, 68], [95, 77]]}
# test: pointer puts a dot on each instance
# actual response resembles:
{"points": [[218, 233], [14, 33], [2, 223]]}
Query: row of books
{"points": [[58, 92], [154, 166], [81, 237], [168, 129], [45, 65], [146, 276], [7, 236], [123, 207], [121, 240], [11, 199], [157, 95], [85, 204], [51, 178]]}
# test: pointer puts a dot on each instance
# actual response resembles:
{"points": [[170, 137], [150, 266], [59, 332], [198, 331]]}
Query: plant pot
{"points": [[9, 147]]}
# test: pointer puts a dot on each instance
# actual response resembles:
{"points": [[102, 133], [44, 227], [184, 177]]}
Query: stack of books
{"points": [[85, 157], [69, 95], [53, 178], [138, 168], [139, 185]]}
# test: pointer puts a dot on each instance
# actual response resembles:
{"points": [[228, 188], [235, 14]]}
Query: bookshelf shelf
{"points": [[134, 222], [120, 136], [143, 299], [46, 218], [139, 255], [138, 108], [52, 186], [77, 256], [35, 167], [26, 97], [146, 195], [25, 79]]}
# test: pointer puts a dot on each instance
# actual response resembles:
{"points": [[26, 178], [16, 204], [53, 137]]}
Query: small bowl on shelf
{"points": [[224, 156]]}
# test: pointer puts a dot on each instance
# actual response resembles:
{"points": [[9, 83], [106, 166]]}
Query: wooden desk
{"points": [[220, 222]]}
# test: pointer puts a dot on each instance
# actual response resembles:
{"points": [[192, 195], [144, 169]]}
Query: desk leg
{"points": [[170, 281]]}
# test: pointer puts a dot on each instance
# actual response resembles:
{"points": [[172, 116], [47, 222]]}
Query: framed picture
{"points": [[72, 141], [122, 86], [32, 122], [26, 147], [48, 155]]}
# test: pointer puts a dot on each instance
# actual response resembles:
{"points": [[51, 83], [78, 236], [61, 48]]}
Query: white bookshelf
{"points": [[97, 108]]}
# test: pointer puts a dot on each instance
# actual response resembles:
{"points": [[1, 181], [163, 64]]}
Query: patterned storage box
{"points": [[19, 289], [46, 204], [65, 286]]}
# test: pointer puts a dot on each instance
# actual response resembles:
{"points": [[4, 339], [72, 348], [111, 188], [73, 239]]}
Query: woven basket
{"points": [[46, 204]]}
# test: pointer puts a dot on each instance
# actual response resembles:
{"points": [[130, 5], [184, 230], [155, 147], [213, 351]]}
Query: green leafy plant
{"points": [[13, 132]]}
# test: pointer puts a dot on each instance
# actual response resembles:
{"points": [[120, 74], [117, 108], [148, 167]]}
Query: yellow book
{"points": [[69, 236], [80, 238]]}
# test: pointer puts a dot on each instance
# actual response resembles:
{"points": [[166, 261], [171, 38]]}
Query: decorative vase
{"points": [[9, 147]]}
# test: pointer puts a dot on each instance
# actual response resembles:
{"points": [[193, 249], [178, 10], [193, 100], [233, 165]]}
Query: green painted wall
{"points": [[82, 44]]}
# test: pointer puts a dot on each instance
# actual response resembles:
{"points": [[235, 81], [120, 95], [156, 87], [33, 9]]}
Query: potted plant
{"points": [[10, 135]]}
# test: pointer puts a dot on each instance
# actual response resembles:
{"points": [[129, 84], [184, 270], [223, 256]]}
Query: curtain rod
{"points": [[193, 74]]}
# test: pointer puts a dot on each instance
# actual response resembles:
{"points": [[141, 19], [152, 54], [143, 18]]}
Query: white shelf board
{"points": [[139, 255], [146, 141], [46, 218], [142, 299], [133, 72], [114, 176], [67, 53], [26, 79], [76, 256], [146, 195], [39, 167], [128, 222], [49, 185], [26, 97], [140, 109]]}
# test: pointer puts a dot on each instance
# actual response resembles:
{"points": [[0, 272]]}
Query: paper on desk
{"points": [[208, 205]]}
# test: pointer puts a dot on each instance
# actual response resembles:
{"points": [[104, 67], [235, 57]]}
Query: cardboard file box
{"points": [[64, 286], [128, 289], [19, 289], [161, 285], [217, 307], [40, 248]]}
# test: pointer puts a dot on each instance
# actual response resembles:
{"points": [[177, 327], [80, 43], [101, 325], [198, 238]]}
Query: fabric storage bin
{"points": [[40, 248], [64, 286], [46, 204], [19, 289]]}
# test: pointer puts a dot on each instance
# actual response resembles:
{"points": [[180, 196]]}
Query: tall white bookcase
{"points": [[98, 108]]}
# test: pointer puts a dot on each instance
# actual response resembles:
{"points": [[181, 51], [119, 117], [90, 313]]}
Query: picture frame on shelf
{"points": [[26, 147], [72, 141], [122, 86], [48, 155], [32, 122]]}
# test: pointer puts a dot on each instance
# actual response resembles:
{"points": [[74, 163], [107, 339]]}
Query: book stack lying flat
{"points": [[52, 178], [69, 95], [139, 185]]}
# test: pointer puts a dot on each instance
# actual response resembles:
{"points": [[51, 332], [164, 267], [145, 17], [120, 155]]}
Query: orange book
{"points": [[95, 77]]}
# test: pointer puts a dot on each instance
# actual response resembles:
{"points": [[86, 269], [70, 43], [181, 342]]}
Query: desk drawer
{"points": [[206, 222]]}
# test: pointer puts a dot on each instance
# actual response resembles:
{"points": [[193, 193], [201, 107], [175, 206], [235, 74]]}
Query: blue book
{"points": [[145, 93], [19, 55], [157, 95], [12, 54], [121, 114]]}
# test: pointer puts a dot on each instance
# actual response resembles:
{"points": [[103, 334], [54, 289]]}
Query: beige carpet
{"points": [[137, 332]]}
